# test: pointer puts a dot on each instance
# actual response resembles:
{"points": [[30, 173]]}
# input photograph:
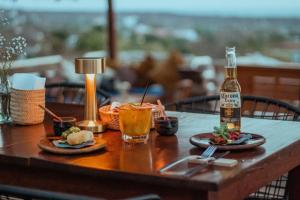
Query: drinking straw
{"points": [[145, 92]]}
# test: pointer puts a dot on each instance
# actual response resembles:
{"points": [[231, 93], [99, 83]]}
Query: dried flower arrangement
{"points": [[10, 50]]}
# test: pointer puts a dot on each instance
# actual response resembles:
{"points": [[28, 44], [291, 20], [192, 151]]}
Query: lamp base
{"points": [[90, 125]]}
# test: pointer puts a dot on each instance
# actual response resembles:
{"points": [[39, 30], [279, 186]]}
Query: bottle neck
{"points": [[230, 72], [230, 68]]}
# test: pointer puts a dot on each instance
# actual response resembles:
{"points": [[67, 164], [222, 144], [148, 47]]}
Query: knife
{"points": [[172, 164], [192, 171]]}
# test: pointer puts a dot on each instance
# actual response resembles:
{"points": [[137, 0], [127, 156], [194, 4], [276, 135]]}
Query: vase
{"points": [[5, 90]]}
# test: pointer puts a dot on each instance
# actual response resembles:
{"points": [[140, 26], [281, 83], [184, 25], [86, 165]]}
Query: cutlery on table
{"points": [[209, 151], [192, 171]]}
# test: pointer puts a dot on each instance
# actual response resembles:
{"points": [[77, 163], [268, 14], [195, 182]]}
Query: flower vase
{"points": [[5, 90]]}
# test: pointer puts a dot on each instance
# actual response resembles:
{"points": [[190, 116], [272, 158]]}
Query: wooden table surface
{"points": [[122, 171]]}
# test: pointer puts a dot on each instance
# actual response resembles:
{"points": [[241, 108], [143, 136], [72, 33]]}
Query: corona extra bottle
{"points": [[230, 94]]}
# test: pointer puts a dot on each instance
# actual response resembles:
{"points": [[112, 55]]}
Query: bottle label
{"points": [[230, 100]]}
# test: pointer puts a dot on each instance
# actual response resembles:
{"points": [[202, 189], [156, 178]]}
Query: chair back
{"points": [[252, 106], [73, 93]]}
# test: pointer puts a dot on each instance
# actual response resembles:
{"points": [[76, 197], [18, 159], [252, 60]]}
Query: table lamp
{"points": [[90, 67]]}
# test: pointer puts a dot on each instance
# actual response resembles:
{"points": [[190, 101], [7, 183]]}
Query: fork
{"points": [[209, 151]]}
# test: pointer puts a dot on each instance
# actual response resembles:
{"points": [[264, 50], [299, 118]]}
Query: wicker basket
{"points": [[24, 106], [111, 119]]}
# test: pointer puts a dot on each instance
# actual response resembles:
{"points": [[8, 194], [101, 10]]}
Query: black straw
{"points": [[145, 92]]}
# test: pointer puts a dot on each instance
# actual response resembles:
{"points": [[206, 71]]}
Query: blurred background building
{"points": [[178, 45]]}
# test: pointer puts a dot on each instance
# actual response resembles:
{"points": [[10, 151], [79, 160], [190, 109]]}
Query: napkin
{"points": [[62, 144], [25, 81], [224, 162]]}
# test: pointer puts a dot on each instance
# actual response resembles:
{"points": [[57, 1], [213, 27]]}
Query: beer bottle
{"points": [[230, 94]]}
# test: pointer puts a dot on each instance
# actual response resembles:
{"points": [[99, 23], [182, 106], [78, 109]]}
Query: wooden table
{"points": [[123, 171]]}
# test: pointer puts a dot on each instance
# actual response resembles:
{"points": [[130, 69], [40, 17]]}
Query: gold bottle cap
{"points": [[90, 65]]}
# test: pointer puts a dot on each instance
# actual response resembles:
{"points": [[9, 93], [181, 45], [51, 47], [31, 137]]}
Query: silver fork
{"points": [[209, 151]]}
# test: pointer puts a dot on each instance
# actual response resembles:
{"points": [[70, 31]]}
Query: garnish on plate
{"points": [[222, 135], [71, 130], [75, 138]]}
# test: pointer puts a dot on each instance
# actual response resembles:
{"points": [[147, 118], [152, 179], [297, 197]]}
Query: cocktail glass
{"points": [[135, 122]]}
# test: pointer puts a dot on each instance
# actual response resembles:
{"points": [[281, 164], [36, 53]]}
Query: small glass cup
{"points": [[135, 122]]}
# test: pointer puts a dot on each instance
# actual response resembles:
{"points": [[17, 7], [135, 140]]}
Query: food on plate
{"points": [[222, 135], [80, 137], [75, 136], [69, 131]]}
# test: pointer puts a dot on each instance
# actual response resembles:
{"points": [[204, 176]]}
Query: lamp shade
{"points": [[90, 65]]}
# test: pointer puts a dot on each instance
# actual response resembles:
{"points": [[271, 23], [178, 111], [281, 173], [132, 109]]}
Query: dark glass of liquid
{"points": [[60, 126]]}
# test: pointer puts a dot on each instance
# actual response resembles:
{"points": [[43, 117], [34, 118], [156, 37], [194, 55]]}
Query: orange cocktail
{"points": [[135, 122]]}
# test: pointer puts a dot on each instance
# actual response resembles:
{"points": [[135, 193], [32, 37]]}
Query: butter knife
{"points": [[192, 171], [170, 165]]}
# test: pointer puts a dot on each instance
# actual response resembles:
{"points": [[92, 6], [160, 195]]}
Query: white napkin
{"points": [[25, 81], [114, 105]]}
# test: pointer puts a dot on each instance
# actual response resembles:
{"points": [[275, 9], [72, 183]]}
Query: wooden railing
{"points": [[37, 65], [50, 67], [278, 82]]}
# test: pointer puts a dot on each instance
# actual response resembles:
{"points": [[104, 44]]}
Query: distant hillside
{"points": [[190, 21], [58, 20]]}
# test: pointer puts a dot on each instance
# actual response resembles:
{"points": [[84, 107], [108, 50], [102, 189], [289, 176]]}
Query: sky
{"points": [[239, 8]]}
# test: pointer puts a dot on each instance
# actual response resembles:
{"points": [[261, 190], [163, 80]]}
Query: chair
{"points": [[254, 107], [66, 92], [9, 192], [145, 197]]}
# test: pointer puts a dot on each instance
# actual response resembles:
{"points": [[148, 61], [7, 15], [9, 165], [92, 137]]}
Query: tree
{"points": [[92, 40]]}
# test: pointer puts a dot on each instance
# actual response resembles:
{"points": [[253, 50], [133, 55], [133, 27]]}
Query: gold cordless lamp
{"points": [[90, 67]]}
